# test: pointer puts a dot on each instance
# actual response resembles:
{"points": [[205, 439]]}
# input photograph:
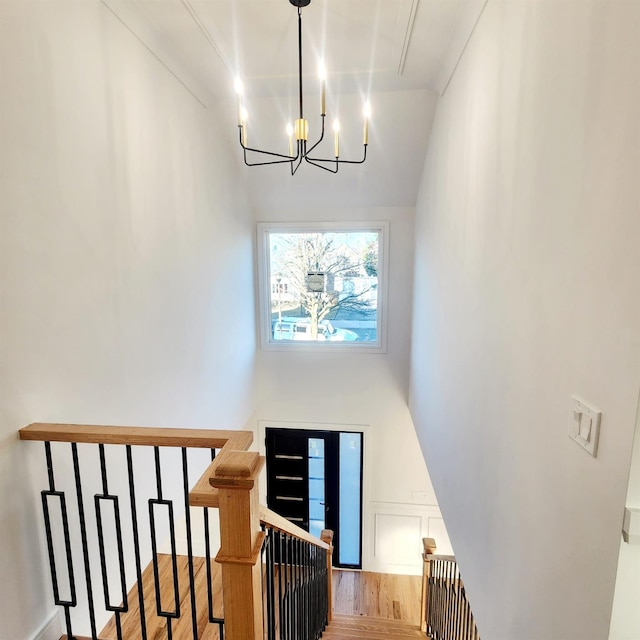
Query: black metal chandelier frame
{"points": [[300, 130]]}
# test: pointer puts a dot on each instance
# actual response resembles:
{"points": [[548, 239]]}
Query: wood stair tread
{"points": [[346, 634], [361, 619], [348, 627], [380, 634]]}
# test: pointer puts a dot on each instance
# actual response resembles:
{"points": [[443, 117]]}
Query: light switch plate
{"points": [[631, 526], [584, 428]]}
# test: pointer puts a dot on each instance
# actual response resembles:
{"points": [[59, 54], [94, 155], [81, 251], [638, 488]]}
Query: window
{"points": [[322, 285]]}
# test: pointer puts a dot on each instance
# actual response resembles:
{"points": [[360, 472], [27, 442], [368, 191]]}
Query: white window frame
{"points": [[264, 312]]}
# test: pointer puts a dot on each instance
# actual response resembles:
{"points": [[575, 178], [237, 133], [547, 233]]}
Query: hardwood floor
{"points": [[181, 628], [356, 593], [378, 595]]}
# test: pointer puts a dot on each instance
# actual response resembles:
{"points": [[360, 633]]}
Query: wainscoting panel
{"points": [[395, 533]]}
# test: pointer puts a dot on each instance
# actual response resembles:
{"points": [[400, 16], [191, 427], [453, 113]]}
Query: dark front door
{"points": [[314, 479]]}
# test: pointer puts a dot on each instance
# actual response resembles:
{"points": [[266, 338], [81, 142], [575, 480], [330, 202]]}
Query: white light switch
{"points": [[585, 426]]}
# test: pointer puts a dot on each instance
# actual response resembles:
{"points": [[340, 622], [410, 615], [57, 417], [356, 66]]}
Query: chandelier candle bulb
{"points": [[367, 114], [336, 129], [323, 88], [323, 99], [290, 135], [243, 123], [237, 85]]}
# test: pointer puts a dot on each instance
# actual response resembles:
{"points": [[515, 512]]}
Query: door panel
{"points": [[307, 481], [288, 475]]}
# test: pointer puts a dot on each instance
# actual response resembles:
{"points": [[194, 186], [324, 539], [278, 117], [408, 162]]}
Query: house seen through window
{"points": [[323, 286]]}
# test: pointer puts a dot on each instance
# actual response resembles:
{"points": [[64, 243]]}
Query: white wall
{"points": [[625, 613], [527, 275], [364, 389], [125, 253]]}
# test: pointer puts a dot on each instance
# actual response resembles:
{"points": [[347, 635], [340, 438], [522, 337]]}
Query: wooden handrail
{"points": [[277, 522], [433, 556], [145, 436]]}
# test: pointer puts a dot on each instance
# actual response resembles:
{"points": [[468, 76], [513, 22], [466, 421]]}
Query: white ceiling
{"points": [[398, 54]]}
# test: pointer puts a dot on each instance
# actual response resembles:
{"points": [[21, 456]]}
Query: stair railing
{"points": [[446, 613], [110, 492], [296, 580], [276, 577]]}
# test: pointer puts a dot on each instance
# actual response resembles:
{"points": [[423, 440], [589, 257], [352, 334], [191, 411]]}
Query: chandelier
{"points": [[298, 132]]}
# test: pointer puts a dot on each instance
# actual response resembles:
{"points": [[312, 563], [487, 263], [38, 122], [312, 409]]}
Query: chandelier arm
{"points": [[320, 139], [315, 164], [337, 161], [261, 164], [294, 169], [266, 153]]}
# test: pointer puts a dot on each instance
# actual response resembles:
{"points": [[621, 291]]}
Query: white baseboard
{"points": [[51, 629]]}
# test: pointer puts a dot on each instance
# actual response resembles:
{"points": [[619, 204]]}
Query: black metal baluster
{"points": [[280, 599], [316, 595], [460, 607], [187, 509], [296, 590], [303, 595], [305, 591], [307, 559], [168, 615], [296, 543], [456, 602], [66, 604], [116, 609], [309, 592], [136, 542], [324, 588], [313, 593], [449, 599], [440, 601], [269, 575], [290, 586], [83, 535], [454, 571], [445, 600], [427, 617], [302, 589], [467, 615], [436, 592], [303, 568]]}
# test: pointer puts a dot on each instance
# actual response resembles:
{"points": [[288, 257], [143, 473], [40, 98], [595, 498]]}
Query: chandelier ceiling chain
{"points": [[298, 133]]}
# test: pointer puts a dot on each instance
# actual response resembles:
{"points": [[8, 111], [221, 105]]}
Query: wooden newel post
{"points": [[236, 478], [327, 536], [429, 548]]}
